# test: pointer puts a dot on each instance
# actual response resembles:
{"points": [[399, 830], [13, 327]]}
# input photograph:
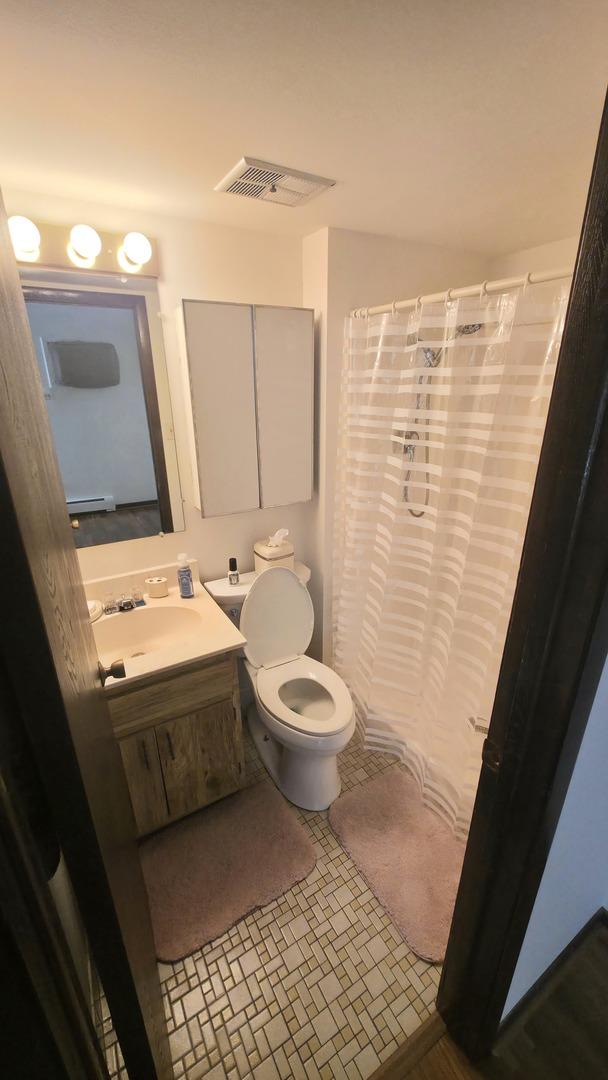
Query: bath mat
{"points": [[408, 856], [207, 872]]}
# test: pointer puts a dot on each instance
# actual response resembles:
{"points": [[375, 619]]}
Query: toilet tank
{"points": [[231, 597]]}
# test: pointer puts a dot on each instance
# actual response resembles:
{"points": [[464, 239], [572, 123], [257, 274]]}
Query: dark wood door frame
{"points": [[555, 650], [48, 1028], [49, 656], [40, 294]]}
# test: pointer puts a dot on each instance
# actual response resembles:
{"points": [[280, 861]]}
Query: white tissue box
{"points": [[266, 555]]}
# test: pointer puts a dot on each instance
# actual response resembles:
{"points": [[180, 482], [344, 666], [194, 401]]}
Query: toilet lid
{"points": [[277, 618]]}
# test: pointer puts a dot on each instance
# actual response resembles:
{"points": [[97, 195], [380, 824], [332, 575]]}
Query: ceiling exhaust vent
{"points": [[272, 183]]}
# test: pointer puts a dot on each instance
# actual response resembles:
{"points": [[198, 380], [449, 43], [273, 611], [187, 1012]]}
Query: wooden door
{"points": [[142, 767], [202, 757], [48, 651]]}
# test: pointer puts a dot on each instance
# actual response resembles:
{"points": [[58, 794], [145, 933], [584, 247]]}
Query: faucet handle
{"points": [[116, 670]]}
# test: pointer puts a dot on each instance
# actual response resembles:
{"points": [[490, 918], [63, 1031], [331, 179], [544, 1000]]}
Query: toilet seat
{"points": [[277, 618], [303, 669]]}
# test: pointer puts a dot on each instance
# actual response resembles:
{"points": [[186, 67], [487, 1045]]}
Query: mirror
{"points": [[97, 370]]}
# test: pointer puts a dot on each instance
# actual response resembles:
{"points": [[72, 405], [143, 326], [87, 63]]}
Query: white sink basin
{"points": [[166, 633], [144, 630]]}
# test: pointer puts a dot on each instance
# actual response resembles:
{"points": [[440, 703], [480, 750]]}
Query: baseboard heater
{"points": [[89, 506]]}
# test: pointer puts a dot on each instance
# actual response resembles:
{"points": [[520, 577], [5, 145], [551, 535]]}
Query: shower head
{"points": [[432, 357]]}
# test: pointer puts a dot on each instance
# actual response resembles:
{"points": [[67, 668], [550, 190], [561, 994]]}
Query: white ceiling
{"points": [[465, 122]]}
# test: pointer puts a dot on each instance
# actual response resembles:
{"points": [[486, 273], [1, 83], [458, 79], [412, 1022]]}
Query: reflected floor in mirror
{"points": [[318, 983], [124, 523]]}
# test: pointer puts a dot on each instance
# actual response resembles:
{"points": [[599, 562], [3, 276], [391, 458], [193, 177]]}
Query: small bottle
{"points": [[233, 573], [184, 577]]}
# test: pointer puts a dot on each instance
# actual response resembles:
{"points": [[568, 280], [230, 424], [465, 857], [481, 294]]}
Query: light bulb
{"points": [[25, 238], [134, 252], [137, 248], [84, 245]]}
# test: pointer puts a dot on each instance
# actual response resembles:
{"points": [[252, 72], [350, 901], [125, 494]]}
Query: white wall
{"points": [[575, 880], [101, 436], [198, 261], [560, 253], [343, 270], [332, 270]]}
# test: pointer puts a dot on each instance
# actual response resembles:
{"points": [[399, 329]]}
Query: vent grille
{"points": [[239, 187], [261, 176], [272, 183]]}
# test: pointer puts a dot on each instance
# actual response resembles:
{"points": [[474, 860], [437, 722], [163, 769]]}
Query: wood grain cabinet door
{"points": [[201, 756], [142, 766]]}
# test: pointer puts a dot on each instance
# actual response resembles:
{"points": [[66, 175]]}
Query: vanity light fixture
{"points": [[25, 238], [135, 252], [84, 246]]}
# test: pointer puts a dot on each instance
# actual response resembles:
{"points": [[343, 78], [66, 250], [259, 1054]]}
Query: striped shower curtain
{"points": [[443, 410]]}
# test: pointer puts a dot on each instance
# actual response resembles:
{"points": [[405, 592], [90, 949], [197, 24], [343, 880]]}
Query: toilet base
{"points": [[310, 781]]}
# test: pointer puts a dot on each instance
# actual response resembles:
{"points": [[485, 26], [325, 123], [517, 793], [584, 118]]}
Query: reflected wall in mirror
{"points": [[97, 372]]}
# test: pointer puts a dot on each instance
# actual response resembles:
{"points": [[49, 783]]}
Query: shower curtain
{"points": [[443, 410]]}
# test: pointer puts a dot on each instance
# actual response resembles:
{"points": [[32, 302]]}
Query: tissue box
{"points": [[266, 555]]}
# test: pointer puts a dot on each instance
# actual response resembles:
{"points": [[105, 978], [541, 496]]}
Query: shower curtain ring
{"points": [[483, 290], [448, 296], [527, 280], [394, 308]]}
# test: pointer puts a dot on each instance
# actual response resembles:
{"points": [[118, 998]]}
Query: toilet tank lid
{"points": [[277, 618], [222, 591]]}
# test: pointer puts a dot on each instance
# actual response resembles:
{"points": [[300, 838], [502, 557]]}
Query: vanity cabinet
{"points": [[142, 767], [200, 757], [249, 379], [180, 739]]}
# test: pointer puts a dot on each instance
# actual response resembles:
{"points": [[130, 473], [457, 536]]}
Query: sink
{"points": [[169, 632], [145, 630]]}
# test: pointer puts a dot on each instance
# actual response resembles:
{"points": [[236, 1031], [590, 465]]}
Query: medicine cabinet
{"points": [[249, 371]]}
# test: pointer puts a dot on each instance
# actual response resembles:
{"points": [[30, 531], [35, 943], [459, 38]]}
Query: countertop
{"points": [[217, 634]]}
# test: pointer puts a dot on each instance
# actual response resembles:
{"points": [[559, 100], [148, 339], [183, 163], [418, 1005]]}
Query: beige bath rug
{"points": [[408, 856], [207, 872]]}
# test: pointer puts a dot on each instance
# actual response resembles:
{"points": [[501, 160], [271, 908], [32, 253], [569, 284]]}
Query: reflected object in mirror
{"points": [[84, 365], [97, 371]]}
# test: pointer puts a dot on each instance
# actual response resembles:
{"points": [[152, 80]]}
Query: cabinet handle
{"points": [[144, 749], [170, 745]]}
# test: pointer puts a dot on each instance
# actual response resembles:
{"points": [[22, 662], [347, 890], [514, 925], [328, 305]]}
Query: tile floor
{"points": [[317, 984]]}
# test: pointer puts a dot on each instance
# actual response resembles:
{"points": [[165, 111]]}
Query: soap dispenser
{"points": [[184, 577]]}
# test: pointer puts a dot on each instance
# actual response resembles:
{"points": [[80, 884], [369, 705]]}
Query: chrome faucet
{"points": [[124, 603]]}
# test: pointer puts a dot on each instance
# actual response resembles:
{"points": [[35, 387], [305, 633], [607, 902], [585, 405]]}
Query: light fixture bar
{"points": [[81, 246]]}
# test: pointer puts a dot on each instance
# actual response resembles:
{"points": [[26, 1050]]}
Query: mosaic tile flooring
{"points": [[317, 984]]}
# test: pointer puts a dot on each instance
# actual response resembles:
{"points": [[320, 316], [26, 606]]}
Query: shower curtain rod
{"points": [[500, 285]]}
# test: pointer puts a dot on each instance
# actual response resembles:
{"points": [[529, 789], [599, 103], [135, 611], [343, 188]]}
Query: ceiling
{"points": [[471, 124]]}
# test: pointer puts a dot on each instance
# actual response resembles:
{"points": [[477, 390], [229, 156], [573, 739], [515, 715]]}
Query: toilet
{"points": [[302, 714]]}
